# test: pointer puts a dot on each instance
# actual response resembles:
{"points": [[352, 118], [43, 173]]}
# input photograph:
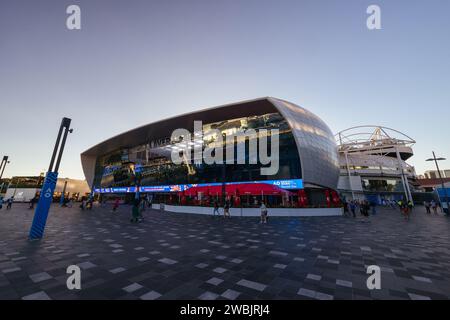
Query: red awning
{"points": [[238, 189]]}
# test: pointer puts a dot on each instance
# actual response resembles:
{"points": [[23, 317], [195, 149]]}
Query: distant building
{"points": [[24, 188], [4, 182], [373, 164], [430, 185], [433, 174]]}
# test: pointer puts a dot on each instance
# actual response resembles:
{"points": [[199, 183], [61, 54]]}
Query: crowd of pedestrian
{"points": [[9, 202], [431, 205], [137, 210], [367, 208], [364, 207], [226, 209], [352, 207]]}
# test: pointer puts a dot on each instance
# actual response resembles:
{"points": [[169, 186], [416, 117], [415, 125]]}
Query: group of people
{"points": [[67, 202], [431, 205], [405, 208], [364, 207], [226, 209], [87, 203], [8, 202], [227, 206], [138, 208], [387, 203]]}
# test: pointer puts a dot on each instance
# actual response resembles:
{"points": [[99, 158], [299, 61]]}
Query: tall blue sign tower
{"points": [[46, 196]]}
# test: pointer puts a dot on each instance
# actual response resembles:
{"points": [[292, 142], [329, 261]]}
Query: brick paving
{"points": [[185, 256]]}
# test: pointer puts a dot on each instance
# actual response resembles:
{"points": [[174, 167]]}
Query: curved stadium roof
{"points": [[314, 139]]}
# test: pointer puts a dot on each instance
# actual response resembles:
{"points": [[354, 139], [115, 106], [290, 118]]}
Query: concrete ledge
{"points": [[255, 212]]}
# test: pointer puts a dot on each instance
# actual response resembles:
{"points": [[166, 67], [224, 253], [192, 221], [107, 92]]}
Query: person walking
{"points": [[70, 202], [346, 213], [216, 209], [263, 209], [226, 210], [434, 206], [141, 209], [83, 203], [353, 208], [406, 211], [90, 203], [115, 205], [366, 208], [9, 203], [400, 205], [32, 202], [373, 205], [135, 211], [410, 205], [426, 204]]}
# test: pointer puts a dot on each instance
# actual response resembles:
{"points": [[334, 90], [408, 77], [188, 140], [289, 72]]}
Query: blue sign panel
{"points": [[442, 192], [45, 200], [444, 196], [167, 188], [283, 184]]}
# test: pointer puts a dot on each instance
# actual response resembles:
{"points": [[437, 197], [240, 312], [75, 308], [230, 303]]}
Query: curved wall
{"points": [[315, 141], [316, 144]]}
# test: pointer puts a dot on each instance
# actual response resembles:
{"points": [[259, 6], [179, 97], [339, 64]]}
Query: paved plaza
{"points": [[182, 256]]}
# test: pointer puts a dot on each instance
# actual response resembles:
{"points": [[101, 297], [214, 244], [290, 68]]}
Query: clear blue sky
{"points": [[134, 62]]}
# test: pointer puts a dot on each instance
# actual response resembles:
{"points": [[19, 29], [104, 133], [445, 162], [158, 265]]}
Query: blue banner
{"points": [[283, 184], [442, 192], [45, 200]]}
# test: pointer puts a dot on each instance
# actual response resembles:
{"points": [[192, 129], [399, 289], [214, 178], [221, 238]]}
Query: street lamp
{"points": [[440, 177], [224, 169], [48, 188], [63, 194], [15, 187], [3, 165]]}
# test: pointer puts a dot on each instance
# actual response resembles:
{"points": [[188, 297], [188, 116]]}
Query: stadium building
{"points": [[373, 164], [140, 160]]}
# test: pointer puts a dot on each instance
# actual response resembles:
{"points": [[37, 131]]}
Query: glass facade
{"points": [[382, 185], [151, 164], [318, 151]]}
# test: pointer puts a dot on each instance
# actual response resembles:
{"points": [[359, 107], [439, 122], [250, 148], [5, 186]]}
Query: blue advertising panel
{"points": [[283, 184], [45, 200], [444, 196], [441, 192]]}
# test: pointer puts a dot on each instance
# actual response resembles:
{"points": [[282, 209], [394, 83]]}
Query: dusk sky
{"points": [[136, 62]]}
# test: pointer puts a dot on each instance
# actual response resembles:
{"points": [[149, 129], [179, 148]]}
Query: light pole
{"points": [[224, 169], [3, 165], [349, 176], [48, 188], [440, 177], [403, 177], [15, 187], [63, 194]]}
